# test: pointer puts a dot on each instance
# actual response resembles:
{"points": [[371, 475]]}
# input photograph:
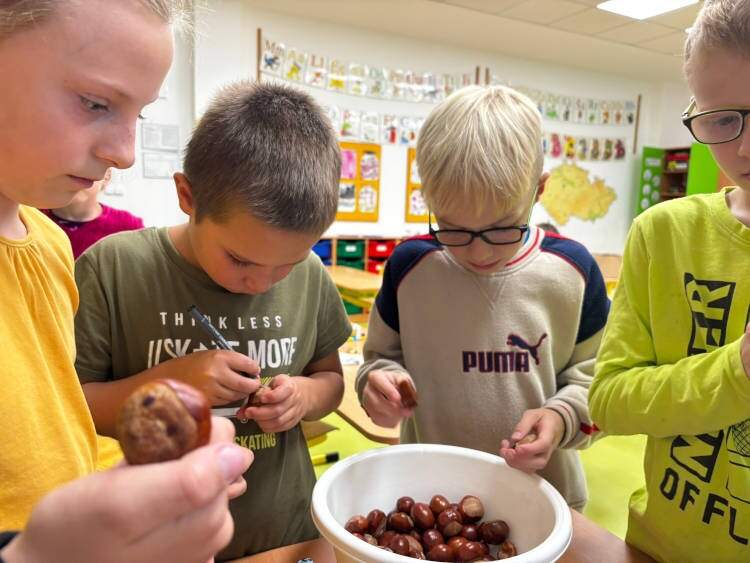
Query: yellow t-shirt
{"points": [[669, 366], [47, 434]]}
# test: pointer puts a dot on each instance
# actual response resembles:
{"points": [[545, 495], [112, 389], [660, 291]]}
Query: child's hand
{"points": [[745, 351], [531, 456], [382, 400], [283, 406], [216, 373]]}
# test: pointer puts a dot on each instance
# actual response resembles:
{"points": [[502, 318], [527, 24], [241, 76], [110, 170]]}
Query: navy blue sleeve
{"points": [[405, 256], [595, 307]]}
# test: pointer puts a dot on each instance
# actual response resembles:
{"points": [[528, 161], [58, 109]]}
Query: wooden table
{"points": [[357, 287], [591, 544]]}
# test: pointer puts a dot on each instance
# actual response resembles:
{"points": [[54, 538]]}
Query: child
{"points": [[62, 124], [675, 358], [260, 187], [85, 220], [496, 322]]}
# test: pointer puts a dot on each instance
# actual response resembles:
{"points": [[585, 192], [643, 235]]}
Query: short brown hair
{"points": [[17, 15], [270, 150], [721, 24]]}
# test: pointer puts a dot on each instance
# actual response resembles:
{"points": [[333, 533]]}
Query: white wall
{"points": [[225, 50], [155, 200]]}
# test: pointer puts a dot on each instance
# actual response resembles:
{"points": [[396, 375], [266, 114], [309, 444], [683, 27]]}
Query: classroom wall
{"points": [[155, 200], [225, 50]]}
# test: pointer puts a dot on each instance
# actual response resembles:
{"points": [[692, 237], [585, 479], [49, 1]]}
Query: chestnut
{"points": [[163, 420], [423, 517], [415, 546], [441, 552], [399, 544], [469, 551], [386, 537], [400, 522], [404, 504], [438, 503], [376, 522], [471, 508], [470, 532], [507, 550], [494, 531], [408, 393], [431, 538], [456, 541], [370, 539], [449, 522], [531, 437], [357, 524]]}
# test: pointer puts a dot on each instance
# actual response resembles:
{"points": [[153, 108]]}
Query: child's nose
{"points": [[744, 149], [117, 146]]}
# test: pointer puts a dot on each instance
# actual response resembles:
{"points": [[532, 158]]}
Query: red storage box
{"points": [[380, 248], [376, 266]]}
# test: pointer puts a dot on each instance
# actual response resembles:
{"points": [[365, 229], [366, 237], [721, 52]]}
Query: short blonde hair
{"points": [[17, 15], [481, 146], [722, 25]]}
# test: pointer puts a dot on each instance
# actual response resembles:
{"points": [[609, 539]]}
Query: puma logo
{"points": [[518, 342]]}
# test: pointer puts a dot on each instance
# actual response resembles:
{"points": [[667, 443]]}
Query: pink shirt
{"points": [[84, 234]]}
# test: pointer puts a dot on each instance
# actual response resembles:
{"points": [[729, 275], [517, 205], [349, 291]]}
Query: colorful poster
{"points": [[295, 65], [416, 208], [359, 188], [272, 57]]}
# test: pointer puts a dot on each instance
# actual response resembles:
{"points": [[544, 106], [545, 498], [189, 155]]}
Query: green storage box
{"points": [[352, 309], [350, 249], [358, 263]]}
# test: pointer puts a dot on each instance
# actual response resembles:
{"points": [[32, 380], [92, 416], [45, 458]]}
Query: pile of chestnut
{"points": [[436, 531]]}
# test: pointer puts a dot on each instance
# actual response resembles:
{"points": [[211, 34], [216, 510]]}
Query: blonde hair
{"points": [[481, 146], [17, 15], [721, 24]]}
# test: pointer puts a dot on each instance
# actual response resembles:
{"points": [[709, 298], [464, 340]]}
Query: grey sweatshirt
{"points": [[482, 349]]}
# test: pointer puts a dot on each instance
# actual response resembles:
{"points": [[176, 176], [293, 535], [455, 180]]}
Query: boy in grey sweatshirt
{"points": [[495, 322]]}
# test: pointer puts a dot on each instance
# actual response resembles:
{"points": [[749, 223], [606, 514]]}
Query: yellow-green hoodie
{"points": [[669, 366]]}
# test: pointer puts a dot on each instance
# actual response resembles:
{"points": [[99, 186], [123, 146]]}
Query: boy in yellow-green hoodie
{"points": [[675, 358]]}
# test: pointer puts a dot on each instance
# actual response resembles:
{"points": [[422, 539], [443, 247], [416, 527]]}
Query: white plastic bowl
{"points": [[538, 516]]}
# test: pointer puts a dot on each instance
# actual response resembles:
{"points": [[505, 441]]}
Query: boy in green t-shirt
{"points": [[260, 187], [675, 358]]}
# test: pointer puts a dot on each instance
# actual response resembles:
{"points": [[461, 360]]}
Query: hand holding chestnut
{"points": [[163, 420], [534, 440], [389, 397]]}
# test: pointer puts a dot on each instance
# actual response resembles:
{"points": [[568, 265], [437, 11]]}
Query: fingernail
{"points": [[232, 461], [516, 436]]}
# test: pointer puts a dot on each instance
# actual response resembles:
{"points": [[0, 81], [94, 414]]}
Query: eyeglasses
{"points": [[715, 126], [464, 237]]}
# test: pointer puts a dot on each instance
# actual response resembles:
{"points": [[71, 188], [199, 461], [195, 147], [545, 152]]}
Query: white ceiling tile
{"points": [[543, 11], [487, 6], [679, 19], [636, 32], [591, 22], [590, 3], [671, 44]]}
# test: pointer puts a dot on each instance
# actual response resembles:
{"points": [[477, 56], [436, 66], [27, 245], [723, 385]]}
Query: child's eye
{"points": [[238, 263], [93, 106]]}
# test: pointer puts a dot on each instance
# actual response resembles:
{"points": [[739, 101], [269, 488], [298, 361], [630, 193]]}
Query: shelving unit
{"points": [[672, 173]]}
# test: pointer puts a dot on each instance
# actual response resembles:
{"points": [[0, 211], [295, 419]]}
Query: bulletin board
{"points": [[416, 208], [359, 186]]}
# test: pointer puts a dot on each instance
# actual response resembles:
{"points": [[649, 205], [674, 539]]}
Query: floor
{"points": [[613, 467]]}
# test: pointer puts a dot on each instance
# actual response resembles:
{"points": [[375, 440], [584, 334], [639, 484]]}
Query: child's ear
{"points": [[184, 193], [540, 186]]}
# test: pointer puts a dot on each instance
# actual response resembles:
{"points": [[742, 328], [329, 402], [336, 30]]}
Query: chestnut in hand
{"points": [[163, 420], [408, 393]]}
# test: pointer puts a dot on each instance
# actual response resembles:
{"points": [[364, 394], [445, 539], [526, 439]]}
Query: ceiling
{"points": [[565, 32]]}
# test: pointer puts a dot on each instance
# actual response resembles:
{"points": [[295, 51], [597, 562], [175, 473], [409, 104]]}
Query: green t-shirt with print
{"points": [[135, 290]]}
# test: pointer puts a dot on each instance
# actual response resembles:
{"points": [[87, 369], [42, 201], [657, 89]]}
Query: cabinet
{"points": [[675, 172]]}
